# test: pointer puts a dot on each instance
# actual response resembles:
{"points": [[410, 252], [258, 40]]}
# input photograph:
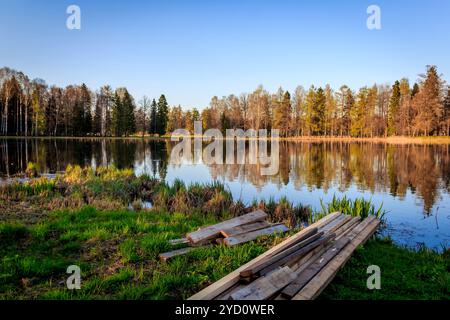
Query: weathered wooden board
{"points": [[307, 260], [363, 232], [232, 278], [231, 232], [169, 255], [337, 224], [297, 253], [348, 227], [209, 233], [307, 274], [310, 236], [303, 262], [226, 295], [327, 227], [265, 287], [175, 242], [246, 237]]}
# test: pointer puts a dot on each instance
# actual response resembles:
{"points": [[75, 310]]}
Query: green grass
{"points": [[356, 208], [405, 274], [118, 254]]}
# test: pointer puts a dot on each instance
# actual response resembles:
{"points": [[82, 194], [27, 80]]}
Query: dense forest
{"points": [[32, 108]]}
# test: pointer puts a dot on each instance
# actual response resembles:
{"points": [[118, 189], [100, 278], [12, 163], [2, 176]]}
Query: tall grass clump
{"points": [[106, 183], [42, 187], [31, 171], [211, 198], [284, 211], [357, 208]]}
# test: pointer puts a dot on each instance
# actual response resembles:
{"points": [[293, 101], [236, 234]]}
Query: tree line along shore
{"points": [[33, 108]]}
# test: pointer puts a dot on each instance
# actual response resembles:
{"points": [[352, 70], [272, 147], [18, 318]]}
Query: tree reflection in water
{"points": [[376, 167]]}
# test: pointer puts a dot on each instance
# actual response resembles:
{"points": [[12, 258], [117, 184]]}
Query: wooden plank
{"points": [[246, 237], [175, 242], [226, 295], [326, 228], [326, 275], [231, 232], [300, 252], [169, 255], [209, 233], [348, 227], [342, 221], [308, 273], [232, 278], [310, 236], [265, 287], [308, 259]]}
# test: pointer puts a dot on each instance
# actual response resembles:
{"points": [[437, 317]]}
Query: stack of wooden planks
{"points": [[231, 232], [298, 268]]}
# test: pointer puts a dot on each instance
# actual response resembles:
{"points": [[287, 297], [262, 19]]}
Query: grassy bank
{"points": [[117, 253], [405, 274], [97, 220]]}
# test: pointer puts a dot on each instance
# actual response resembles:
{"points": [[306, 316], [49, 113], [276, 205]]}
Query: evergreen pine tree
{"points": [[153, 118], [116, 117], [129, 124], [162, 115]]}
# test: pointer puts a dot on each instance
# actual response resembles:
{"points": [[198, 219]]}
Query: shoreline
{"points": [[386, 140]]}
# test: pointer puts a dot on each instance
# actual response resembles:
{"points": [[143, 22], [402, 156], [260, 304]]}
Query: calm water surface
{"points": [[411, 181]]}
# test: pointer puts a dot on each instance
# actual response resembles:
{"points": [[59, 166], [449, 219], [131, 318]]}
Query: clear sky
{"points": [[192, 50]]}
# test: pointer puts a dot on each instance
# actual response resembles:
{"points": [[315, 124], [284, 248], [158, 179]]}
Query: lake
{"points": [[412, 181]]}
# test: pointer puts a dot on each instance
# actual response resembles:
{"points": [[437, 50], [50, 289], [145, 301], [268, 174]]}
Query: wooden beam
{"points": [[307, 274], [246, 237], [232, 278], [336, 225], [175, 242], [304, 261], [307, 260], [231, 232], [265, 287], [297, 253], [164, 257], [326, 228], [226, 295], [347, 228], [325, 276], [310, 236], [209, 233]]}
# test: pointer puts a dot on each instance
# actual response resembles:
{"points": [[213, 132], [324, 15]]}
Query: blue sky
{"points": [[193, 50]]}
